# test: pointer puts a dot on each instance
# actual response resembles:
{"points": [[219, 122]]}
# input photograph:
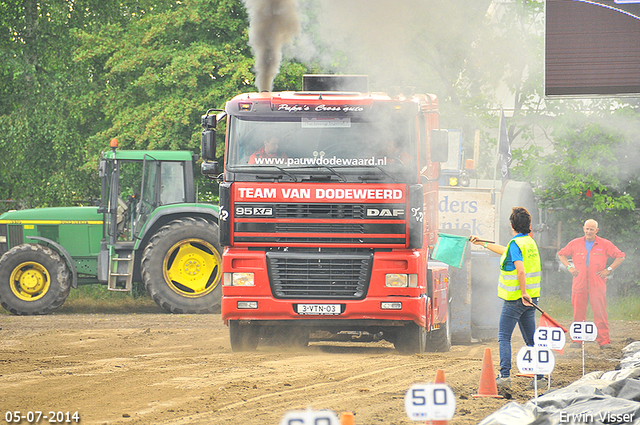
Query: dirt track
{"points": [[179, 369]]}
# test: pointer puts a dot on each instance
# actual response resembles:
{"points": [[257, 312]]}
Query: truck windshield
{"points": [[343, 143]]}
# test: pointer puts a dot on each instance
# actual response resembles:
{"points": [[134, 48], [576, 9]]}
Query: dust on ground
{"points": [[179, 369]]}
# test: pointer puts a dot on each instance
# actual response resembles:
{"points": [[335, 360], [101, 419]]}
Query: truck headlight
{"points": [[395, 280], [398, 280], [238, 279]]}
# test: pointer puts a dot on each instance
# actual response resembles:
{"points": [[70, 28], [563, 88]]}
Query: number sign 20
{"points": [[583, 331]]}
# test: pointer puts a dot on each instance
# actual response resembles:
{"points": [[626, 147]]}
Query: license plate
{"points": [[319, 309]]}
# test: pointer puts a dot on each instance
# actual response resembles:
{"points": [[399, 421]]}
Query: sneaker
{"points": [[606, 347], [543, 383], [503, 382]]}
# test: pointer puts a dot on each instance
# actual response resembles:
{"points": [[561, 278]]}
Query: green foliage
{"points": [[162, 71], [76, 73]]}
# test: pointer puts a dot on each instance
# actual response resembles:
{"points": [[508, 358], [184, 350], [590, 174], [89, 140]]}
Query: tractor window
{"points": [[172, 183], [130, 174]]}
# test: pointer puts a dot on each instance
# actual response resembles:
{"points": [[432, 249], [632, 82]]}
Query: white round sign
{"points": [[536, 360], [430, 402], [310, 417], [553, 338], [583, 331]]}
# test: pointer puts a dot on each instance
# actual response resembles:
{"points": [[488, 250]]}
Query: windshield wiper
{"points": [[342, 178], [258, 176], [385, 172]]}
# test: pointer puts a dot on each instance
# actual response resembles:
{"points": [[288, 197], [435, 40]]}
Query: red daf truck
{"points": [[329, 232]]}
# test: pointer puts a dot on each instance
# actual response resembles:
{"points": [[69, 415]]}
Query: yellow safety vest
{"points": [[508, 286]]}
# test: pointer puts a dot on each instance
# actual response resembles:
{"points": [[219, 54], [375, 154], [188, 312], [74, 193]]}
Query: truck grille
{"points": [[337, 224], [319, 276], [350, 211]]}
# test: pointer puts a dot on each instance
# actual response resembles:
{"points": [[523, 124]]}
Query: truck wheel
{"points": [[182, 267], [34, 279], [439, 340], [411, 339], [243, 337]]}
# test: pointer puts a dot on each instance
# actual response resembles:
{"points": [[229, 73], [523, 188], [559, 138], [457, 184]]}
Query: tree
{"points": [[44, 117]]}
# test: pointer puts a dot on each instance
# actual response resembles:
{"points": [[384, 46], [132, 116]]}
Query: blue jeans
{"points": [[514, 312]]}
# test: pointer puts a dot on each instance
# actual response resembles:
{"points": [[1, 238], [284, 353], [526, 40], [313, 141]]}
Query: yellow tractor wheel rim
{"points": [[30, 281], [192, 268]]}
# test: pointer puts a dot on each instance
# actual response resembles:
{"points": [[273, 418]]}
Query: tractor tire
{"points": [[411, 339], [439, 340], [182, 267], [34, 279], [243, 337]]}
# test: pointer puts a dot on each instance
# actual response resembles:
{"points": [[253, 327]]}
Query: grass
{"points": [[98, 299], [618, 308], [91, 299]]}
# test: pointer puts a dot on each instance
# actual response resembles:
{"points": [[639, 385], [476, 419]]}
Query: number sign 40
{"points": [[536, 360]]}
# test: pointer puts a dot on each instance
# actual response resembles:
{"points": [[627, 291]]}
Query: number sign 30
{"points": [[553, 338]]}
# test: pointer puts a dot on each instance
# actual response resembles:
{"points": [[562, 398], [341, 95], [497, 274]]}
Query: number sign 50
{"points": [[430, 402]]}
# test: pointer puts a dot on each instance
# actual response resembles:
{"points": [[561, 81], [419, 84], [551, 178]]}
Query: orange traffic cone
{"points": [[347, 418], [439, 380], [488, 386]]}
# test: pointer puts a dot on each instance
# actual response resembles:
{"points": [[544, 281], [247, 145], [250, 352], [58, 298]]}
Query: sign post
{"points": [[583, 331]]}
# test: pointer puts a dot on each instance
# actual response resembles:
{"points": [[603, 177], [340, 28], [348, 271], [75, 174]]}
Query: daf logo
{"points": [[385, 212]]}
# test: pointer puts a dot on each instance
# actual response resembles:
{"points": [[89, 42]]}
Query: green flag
{"points": [[450, 249]]}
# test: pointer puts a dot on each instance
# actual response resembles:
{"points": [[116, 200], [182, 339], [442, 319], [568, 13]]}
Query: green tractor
{"points": [[148, 228]]}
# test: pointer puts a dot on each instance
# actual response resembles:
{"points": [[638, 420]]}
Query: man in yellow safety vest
{"points": [[518, 286]]}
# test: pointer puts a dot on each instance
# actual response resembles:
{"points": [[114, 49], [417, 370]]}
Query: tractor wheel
{"points": [[411, 339], [243, 337], [182, 267], [439, 340], [34, 279]]}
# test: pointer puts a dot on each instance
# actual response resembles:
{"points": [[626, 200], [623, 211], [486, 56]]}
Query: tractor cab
{"points": [[135, 183]]}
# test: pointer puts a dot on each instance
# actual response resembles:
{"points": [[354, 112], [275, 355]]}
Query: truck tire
{"points": [[411, 339], [182, 266], [243, 337], [34, 279], [439, 340]]}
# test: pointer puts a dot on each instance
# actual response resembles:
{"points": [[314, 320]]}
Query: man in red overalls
{"points": [[590, 271]]}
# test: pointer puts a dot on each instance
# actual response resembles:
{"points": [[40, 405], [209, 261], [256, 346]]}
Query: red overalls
{"points": [[588, 286]]}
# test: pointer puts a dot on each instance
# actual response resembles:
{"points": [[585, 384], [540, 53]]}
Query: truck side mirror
{"points": [[208, 145], [208, 141], [439, 145], [210, 169]]}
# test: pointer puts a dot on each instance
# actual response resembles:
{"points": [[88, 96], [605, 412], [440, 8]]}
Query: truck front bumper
{"points": [[378, 311]]}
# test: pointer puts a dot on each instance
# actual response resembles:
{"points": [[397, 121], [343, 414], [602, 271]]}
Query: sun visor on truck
{"points": [[340, 83]]}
